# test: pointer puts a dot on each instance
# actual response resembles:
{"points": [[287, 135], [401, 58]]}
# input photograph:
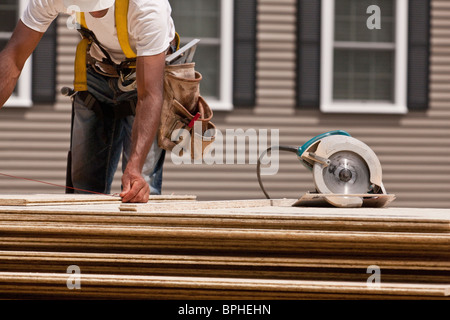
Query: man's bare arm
{"points": [[150, 83], [12, 59]]}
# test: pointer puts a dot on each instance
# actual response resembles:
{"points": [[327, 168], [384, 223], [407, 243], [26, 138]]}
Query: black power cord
{"points": [[258, 165]]}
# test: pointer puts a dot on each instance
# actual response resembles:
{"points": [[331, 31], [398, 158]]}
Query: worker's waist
{"points": [[112, 70], [120, 109]]}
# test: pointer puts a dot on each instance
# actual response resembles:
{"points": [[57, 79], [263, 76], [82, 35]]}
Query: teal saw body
{"points": [[346, 171], [342, 165]]}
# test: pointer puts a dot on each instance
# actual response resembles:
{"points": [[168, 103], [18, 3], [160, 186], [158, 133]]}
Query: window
{"points": [[364, 70], [10, 12], [211, 21]]}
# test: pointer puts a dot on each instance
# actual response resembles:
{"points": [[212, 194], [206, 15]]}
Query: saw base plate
{"points": [[329, 200]]}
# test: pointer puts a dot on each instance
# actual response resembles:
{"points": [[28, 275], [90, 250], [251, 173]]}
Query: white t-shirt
{"points": [[150, 26]]}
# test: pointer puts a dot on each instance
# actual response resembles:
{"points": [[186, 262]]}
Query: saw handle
{"points": [[319, 137]]}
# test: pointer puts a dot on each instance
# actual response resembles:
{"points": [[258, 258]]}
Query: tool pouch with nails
{"points": [[185, 111]]}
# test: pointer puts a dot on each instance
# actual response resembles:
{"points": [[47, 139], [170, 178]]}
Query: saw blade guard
{"points": [[352, 157]]}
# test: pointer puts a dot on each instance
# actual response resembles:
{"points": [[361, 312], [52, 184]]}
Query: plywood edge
{"points": [[224, 204], [164, 282], [79, 199]]}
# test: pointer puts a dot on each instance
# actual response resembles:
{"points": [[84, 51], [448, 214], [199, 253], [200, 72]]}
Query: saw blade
{"points": [[347, 173]]}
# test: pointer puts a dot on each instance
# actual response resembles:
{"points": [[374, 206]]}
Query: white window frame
{"points": [[23, 96], [225, 100], [399, 105]]}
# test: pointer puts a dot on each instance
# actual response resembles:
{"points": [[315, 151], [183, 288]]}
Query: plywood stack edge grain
{"points": [[187, 288], [246, 249]]}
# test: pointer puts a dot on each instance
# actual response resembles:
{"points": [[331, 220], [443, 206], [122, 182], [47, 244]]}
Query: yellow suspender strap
{"points": [[80, 76], [81, 19], [80, 82], [122, 28], [177, 41]]}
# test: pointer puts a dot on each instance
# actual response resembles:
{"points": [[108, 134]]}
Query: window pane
{"points": [[363, 75], [11, 2], [207, 62], [3, 43], [351, 21], [201, 19], [8, 15]]}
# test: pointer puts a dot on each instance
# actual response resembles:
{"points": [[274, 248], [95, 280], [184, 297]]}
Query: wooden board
{"points": [[163, 287], [78, 199], [199, 205], [132, 238], [258, 216], [324, 269]]}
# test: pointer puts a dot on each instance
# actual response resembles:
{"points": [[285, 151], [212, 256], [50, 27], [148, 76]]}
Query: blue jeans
{"points": [[99, 141]]}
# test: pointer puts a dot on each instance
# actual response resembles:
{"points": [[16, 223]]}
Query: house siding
{"points": [[414, 149]]}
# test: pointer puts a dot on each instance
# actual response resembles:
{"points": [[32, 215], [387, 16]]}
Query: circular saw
{"points": [[346, 171]]}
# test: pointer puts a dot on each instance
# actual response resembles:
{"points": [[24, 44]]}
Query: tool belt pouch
{"points": [[185, 116]]}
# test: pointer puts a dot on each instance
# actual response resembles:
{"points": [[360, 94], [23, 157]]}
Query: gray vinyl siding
{"points": [[414, 149]]}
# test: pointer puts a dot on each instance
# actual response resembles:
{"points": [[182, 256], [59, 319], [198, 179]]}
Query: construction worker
{"points": [[119, 113]]}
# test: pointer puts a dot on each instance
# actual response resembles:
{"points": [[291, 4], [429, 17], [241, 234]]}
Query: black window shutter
{"points": [[419, 54], [244, 82], [308, 58], [44, 68]]}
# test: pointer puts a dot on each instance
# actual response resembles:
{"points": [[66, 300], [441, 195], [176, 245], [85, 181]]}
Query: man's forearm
{"points": [[145, 127], [150, 83], [12, 59], [10, 75]]}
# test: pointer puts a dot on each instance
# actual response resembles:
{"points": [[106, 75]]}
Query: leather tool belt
{"points": [[185, 117]]}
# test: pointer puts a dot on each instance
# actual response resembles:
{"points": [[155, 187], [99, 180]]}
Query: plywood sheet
{"points": [[199, 205], [152, 287], [58, 199], [257, 214]]}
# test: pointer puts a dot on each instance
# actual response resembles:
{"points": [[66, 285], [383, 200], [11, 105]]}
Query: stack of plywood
{"points": [[60, 246]]}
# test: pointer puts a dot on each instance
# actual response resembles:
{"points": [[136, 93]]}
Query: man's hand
{"points": [[135, 188]]}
